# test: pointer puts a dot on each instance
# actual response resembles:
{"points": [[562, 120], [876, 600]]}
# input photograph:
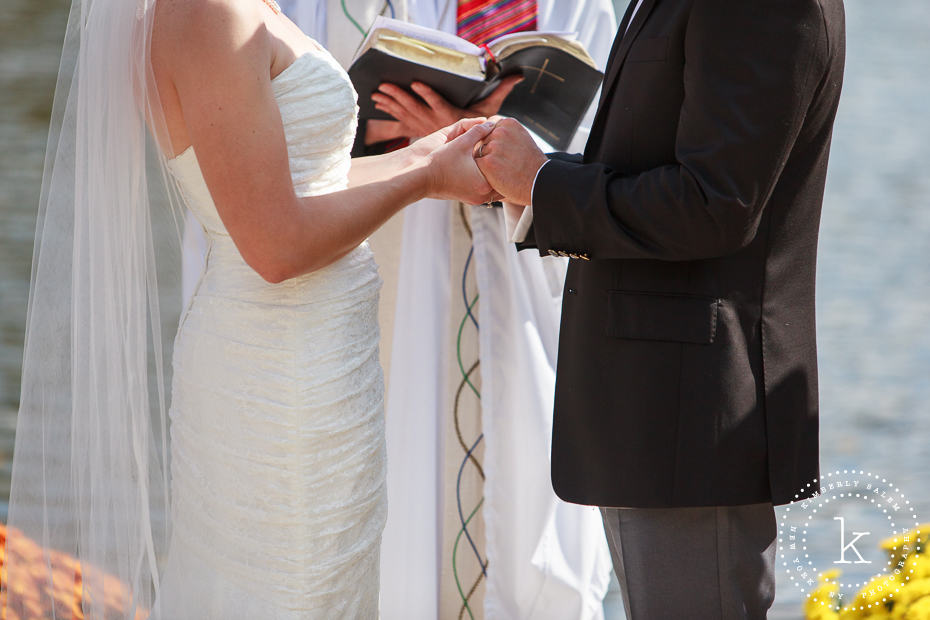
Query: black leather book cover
{"points": [[374, 67], [551, 101], [555, 93]]}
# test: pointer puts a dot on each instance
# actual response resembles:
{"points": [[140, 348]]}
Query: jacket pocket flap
{"points": [[662, 316]]}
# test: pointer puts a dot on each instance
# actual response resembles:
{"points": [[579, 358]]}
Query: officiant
{"points": [[471, 384]]}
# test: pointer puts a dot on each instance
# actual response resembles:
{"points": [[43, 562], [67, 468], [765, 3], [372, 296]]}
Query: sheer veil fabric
{"points": [[90, 477]]}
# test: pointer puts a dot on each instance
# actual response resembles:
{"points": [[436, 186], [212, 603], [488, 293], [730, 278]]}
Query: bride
{"points": [[271, 500]]}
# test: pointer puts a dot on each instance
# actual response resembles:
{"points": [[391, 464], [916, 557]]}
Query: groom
{"points": [[686, 395]]}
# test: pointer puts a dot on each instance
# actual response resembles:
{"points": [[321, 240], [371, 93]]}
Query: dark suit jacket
{"points": [[687, 370]]}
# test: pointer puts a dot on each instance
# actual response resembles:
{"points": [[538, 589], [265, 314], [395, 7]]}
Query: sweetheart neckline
{"points": [[294, 62]]}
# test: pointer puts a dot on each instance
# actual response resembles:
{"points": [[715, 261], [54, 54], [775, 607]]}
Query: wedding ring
{"points": [[480, 153]]}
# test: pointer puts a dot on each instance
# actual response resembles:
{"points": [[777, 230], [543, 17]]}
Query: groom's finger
{"points": [[489, 145], [506, 130]]}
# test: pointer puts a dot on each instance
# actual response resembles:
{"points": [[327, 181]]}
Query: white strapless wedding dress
{"points": [[277, 429]]}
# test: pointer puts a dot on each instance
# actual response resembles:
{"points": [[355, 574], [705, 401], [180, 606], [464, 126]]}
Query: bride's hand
{"points": [[424, 146], [452, 171]]}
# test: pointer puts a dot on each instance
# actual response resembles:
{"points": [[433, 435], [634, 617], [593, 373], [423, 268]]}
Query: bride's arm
{"points": [[373, 168], [218, 54]]}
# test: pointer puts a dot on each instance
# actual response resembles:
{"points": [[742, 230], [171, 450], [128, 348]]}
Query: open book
{"points": [[560, 77]]}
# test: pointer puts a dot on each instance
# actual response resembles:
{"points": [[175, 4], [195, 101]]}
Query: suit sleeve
{"points": [[529, 242], [749, 75]]}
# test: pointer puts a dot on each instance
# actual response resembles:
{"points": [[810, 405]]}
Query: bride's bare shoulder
{"points": [[191, 29]]}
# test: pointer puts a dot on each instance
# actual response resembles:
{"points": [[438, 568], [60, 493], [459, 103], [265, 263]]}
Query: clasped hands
{"points": [[484, 160], [472, 159]]}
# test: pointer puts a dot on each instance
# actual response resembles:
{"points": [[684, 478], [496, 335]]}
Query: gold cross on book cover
{"points": [[561, 77]]}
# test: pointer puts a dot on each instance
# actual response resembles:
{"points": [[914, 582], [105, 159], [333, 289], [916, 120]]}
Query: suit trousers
{"points": [[715, 562]]}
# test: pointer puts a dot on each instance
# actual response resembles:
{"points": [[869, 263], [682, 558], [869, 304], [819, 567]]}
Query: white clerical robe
{"points": [[546, 558]]}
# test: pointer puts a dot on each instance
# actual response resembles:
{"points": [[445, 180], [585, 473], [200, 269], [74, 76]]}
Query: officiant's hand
{"points": [[509, 160], [421, 116], [452, 171]]}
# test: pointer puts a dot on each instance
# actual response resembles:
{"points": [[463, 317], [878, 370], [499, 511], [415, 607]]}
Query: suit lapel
{"points": [[611, 58], [616, 62], [624, 24], [618, 54]]}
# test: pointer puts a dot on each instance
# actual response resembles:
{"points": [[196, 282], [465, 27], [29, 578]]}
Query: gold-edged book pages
{"points": [[447, 52], [509, 44], [426, 53]]}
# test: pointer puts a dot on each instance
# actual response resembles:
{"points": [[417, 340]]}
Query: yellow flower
{"points": [[853, 613], [821, 603], [897, 546], [911, 592], [830, 575], [820, 612], [906, 594], [911, 541], [919, 610], [869, 598], [922, 532], [875, 590], [917, 566]]}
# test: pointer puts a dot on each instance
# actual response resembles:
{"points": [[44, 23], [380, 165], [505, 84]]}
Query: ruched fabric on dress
{"points": [[277, 426]]}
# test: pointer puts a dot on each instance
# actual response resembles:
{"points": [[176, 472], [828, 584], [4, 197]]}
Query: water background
{"points": [[873, 274]]}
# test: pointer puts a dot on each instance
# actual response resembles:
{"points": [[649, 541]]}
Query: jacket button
{"points": [[571, 291]]}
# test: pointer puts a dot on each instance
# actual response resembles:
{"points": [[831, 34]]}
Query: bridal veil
{"points": [[88, 519]]}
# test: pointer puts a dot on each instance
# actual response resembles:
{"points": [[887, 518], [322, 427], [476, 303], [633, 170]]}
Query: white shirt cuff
{"points": [[519, 218]]}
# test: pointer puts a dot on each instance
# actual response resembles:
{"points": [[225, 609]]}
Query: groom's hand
{"points": [[509, 160], [453, 173]]}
